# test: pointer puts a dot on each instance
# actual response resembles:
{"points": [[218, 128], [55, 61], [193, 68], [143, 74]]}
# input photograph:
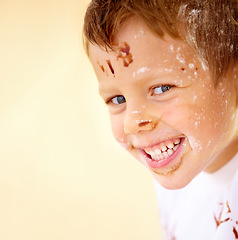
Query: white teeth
{"points": [[164, 150], [157, 158], [170, 152], [176, 147], [154, 156], [157, 151], [170, 145], [165, 154]]}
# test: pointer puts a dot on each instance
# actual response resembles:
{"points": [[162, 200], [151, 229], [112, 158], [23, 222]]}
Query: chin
{"points": [[172, 181]]}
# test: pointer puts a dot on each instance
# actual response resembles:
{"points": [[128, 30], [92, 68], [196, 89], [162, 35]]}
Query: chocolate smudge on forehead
{"points": [[110, 66], [124, 54], [101, 66]]}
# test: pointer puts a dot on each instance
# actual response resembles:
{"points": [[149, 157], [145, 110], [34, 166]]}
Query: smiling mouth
{"points": [[163, 153]]}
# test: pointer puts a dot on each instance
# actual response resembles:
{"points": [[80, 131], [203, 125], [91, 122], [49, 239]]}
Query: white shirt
{"points": [[206, 209]]}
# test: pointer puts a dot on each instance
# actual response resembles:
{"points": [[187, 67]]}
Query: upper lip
{"points": [[154, 143]]}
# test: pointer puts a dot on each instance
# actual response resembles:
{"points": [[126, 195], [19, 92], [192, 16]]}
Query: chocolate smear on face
{"points": [[101, 66], [124, 54], [174, 168], [110, 66], [142, 124]]}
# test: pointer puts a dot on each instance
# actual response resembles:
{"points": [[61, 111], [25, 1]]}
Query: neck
{"points": [[224, 157]]}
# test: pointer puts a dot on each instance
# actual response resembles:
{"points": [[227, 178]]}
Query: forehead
{"points": [[139, 49], [135, 32]]}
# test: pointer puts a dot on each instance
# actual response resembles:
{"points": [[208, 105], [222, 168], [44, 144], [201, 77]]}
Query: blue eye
{"points": [[161, 89], [118, 100]]}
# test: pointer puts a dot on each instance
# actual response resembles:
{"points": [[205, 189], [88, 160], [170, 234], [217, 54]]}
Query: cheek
{"points": [[189, 120], [205, 120], [219, 109], [194, 120], [117, 125], [213, 124]]}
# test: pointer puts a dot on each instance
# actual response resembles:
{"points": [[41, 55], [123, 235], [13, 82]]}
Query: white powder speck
{"points": [[196, 124], [138, 121], [204, 66], [141, 70], [191, 65], [195, 144], [167, 69], [172, 47], [180, 59], [209, 143], [141, 32]]}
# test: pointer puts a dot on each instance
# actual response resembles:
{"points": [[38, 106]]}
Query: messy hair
{"points": [[209, 26]]}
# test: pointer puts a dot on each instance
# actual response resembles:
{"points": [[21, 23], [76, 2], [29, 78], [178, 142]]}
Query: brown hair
{"points": [[209, 26]]}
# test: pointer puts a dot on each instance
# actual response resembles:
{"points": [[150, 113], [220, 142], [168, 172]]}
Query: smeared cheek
{"points": [[192, 120], [204, 117]]}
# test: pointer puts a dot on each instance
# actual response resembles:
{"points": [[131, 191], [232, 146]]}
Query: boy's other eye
{"points": [[117, 100], [161, 89]]}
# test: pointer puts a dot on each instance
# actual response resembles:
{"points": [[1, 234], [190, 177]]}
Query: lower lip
{"points": [[164, 162]]}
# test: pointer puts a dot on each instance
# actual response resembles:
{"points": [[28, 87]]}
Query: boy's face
{"points": [[163, 105]]}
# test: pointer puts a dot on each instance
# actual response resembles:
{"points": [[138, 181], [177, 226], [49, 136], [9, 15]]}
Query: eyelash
{"points": [[111, 100], [164, 88]]}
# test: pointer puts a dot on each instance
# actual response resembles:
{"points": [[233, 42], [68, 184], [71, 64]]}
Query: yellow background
{"points": [[62, 176]]}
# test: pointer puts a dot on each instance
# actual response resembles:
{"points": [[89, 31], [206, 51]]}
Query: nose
{"points": [[137, 121]]}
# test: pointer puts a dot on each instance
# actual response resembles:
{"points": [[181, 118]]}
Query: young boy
{"points": [[167, 69]]}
